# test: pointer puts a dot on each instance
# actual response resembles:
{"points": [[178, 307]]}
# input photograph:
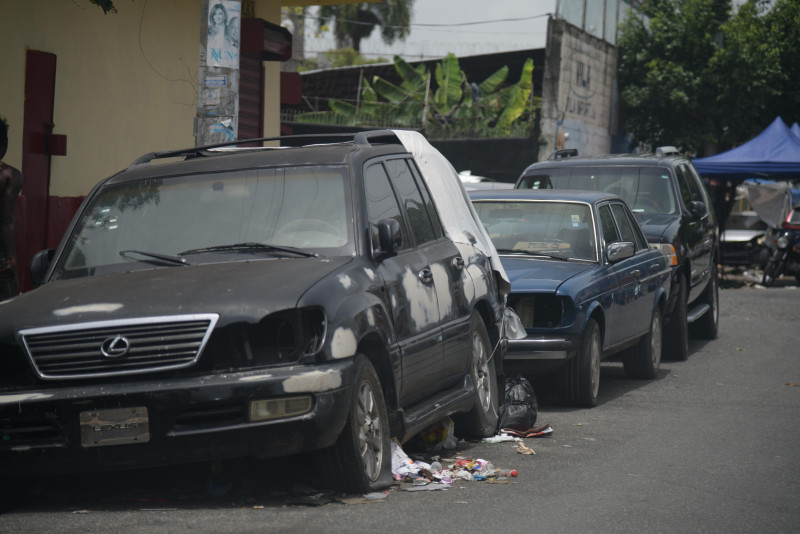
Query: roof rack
{"points": [[664, 151], [564, 153], [365, 138]]}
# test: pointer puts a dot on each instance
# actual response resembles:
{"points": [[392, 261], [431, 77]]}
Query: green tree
{"points": [[444, 103], [354, 22], [698, 74]]}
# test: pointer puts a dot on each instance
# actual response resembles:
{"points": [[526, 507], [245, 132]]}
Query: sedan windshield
{"points": [[290, 212], [560, 230], [645, 189]]}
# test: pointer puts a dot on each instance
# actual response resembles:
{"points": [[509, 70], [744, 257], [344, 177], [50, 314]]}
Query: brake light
{"points": [[789, 224]]}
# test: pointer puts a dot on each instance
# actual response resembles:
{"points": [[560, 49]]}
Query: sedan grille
{"points": [[115, 348]]}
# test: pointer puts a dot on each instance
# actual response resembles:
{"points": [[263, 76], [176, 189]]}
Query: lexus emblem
{"points": [[115, 347]]}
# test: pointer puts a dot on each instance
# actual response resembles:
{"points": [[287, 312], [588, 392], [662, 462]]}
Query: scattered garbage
{"points": [[520, 407], [440, 435], [536, 432], [501, 438], [419, 475], [524, 449]]}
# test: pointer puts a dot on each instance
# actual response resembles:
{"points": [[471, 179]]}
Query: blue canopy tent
{"points": [[774, 153]]}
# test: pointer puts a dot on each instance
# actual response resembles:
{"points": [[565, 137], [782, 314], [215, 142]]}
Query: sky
{"points": [[463, 27]]}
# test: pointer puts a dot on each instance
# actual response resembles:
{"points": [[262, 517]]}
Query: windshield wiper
{"points": [[247, 247], [164, 258], [530, 253]]}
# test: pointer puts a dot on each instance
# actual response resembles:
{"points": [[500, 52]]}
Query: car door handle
{"points": [[457, 263], [655, 267], [425, 276], [637, 272]]}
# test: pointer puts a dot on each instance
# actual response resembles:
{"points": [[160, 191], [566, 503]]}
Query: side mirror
{"points": [[389, 236], [39, 265], [619, 251], [697, 209]]}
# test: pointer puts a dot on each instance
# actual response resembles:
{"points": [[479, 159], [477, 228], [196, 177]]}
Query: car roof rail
{"points": [[365, 138], [664, 151], [564, 153]]}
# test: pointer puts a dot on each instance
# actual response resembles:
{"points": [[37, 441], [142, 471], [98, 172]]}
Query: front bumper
{"points": [[540, 352], [188, 420]]}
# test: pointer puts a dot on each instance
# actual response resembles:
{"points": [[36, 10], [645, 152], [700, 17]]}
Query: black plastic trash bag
{"points": [[520, 407]]}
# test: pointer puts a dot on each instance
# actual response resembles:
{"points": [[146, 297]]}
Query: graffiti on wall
{"points": [[582, 86]]}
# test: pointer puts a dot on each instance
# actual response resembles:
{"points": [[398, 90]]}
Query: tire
{"points": [[481, 421], [676, 340], [582, 372], [645, 359], [770, 273], [707, 326], [360, 460]]}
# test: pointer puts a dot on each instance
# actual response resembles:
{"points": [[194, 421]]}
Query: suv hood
{"points": [[541, 276], [237, 291], [655, 226]]}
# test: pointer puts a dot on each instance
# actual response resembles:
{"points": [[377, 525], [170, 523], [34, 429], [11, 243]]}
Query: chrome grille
{"points": [[121, 347]]}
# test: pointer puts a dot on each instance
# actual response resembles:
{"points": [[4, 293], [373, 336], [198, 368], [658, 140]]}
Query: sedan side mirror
{"points": [[619, 251], [389, 236], [39, 265]]}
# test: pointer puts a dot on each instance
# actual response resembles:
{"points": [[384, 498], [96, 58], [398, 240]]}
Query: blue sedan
{"points": [[584, 282]]}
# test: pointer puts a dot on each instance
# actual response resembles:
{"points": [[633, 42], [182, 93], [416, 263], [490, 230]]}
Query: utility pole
{"points": [[217, 118]]}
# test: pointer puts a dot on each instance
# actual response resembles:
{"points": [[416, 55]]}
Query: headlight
{"points": [[669, 252], [783, 241]]}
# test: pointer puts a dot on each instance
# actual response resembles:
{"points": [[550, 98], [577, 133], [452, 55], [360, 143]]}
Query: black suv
{"points": [[232, 302], [673, 208]]}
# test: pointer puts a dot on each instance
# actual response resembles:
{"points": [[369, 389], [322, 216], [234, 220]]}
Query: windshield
{"points": [[644, 189], [305, 208], [553, 229]]}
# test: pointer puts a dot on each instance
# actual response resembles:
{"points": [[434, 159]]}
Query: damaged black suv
{"points": [[673, 208], [326, 295]]}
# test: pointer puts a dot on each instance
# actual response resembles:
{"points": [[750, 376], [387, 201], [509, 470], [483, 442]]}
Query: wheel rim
{"points": [[370, 435], [715, 299], [480, 371], [655, 341], [594, 364]]}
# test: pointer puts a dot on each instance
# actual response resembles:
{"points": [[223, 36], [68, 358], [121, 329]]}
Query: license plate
{"points": [[119, 426]]}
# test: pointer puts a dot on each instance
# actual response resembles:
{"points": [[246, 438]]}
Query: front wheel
{"points": [[645, 359], [582, 372], [360, 460], [481, 421], [771, 272]]}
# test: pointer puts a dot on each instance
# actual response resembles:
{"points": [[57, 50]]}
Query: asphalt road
{"points": [[711, 445]]}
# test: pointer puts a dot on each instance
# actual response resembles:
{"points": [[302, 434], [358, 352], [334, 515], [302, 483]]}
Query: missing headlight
{"points": [[538, 311]]}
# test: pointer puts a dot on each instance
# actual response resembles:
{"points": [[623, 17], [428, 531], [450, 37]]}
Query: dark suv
{"points": [[256, 302], [673, 208]]}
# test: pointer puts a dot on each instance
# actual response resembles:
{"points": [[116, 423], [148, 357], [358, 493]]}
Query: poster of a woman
{"points": [[223, 34]]}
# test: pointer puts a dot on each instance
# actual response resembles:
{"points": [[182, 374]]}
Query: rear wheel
{"points": [[645, 359], [582, 373], [481, 421], [676, 338], [707, 326], [360, 460], [771, 272]]}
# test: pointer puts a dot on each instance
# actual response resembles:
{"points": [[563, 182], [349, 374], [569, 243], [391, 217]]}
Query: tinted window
{"points": [[683, 185], [409, 195], [381, 203], [610, 234], [627, 227]]}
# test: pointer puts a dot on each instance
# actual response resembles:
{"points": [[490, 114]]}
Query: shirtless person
{"points": [[10, 186]]}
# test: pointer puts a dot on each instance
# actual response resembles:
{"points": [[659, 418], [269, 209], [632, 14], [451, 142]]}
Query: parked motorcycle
{"points": [[785, 260]]}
